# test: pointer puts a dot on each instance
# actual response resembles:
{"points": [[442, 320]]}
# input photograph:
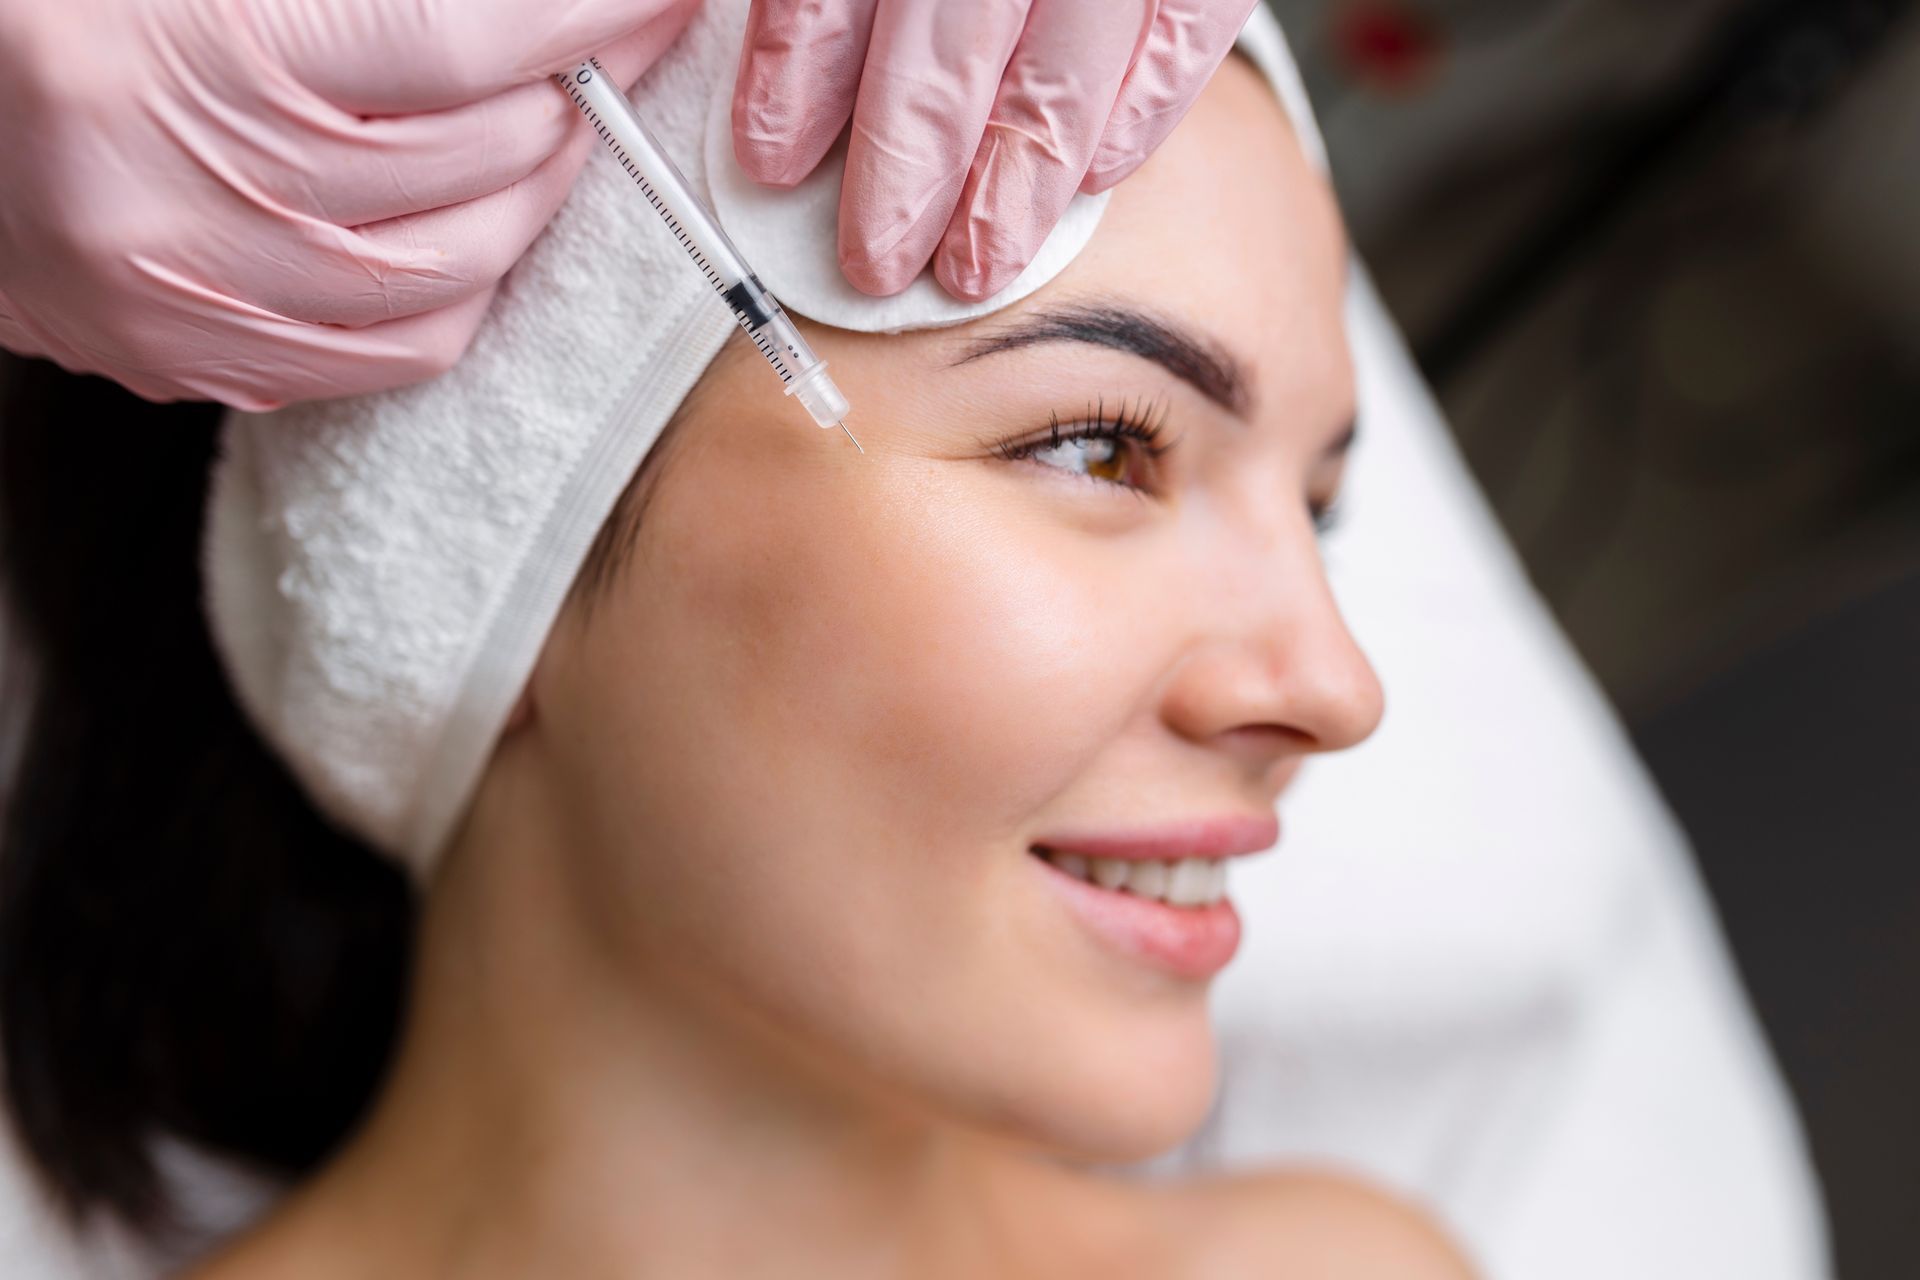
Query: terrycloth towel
{"points": [[382, 570]]}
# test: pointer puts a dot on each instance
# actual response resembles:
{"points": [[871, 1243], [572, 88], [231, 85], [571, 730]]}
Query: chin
{"points": [[1128, 1098]]}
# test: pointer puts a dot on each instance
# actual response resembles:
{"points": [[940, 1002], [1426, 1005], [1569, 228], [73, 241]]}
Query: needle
{"points": [[856, 443]]}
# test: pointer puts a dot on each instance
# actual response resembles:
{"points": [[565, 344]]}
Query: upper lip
{"points": [[1219, 836]]}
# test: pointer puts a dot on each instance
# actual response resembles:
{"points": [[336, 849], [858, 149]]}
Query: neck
{"points": [[549, 1113]]}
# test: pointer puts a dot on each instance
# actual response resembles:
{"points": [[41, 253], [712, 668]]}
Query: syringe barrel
{"points": [[773, 332], [655, 173], [673, 198]]}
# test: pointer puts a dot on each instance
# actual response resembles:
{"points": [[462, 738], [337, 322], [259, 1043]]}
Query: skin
{"points": [[740, 964]]}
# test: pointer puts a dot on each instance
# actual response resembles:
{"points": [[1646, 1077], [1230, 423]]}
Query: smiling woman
{"points": [[788, 764], [852, 867]]}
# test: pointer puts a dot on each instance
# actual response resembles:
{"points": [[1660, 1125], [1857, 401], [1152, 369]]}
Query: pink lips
{"points": [[1191, 942], [1216, 837]]}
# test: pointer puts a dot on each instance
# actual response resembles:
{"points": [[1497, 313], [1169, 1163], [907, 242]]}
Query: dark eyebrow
{"points": [[1194, 359]]}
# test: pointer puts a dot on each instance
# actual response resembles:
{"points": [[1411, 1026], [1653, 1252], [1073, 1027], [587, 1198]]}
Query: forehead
{"points": [[1228, 228]]}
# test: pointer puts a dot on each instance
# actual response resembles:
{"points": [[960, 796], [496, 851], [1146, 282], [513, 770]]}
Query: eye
{"points": [[1110, 448]]}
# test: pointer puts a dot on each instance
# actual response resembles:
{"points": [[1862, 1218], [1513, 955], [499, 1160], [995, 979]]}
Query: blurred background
{"points": [[1661, 261]]}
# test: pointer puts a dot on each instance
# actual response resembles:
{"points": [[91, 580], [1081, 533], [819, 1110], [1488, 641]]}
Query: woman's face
{"points": [[804, 742]]}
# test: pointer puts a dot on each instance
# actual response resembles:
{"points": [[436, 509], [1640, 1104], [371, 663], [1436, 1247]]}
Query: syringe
{"points": [[707, 246]]}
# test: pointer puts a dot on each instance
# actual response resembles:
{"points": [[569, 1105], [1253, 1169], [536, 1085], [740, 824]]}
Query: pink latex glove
{"points": [[257, 201], [974, 121]]}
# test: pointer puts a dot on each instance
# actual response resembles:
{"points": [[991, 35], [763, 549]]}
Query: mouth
{"points": [[1178, 882], [1171, 913]]}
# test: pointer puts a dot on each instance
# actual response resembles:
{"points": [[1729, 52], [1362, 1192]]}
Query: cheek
{"points": [[909, 671], [802, 745], [938, 659]]}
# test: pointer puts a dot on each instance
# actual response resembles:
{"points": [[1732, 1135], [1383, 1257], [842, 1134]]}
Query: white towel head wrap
{"points": [[383, 570]]}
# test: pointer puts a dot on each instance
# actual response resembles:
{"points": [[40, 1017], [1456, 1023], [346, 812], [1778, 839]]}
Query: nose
{"points": [[1275, 675]]}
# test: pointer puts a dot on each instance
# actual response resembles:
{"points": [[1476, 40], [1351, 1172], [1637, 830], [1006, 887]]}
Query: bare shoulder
{"points": [[1315, 1226]]}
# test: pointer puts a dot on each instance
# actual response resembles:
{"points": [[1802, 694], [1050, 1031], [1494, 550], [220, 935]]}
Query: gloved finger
{"points": [[421, 262], [425, 261], [393, 353], [14, 336], [1047, 118], [799, 74], [202, 344], [627, 58], [1185, 45], [391, 166], [432, 56], [311, 362], [925, 91]]}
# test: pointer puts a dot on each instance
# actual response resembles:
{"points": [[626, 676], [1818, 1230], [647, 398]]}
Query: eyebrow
{"points": [[1198, 361]]}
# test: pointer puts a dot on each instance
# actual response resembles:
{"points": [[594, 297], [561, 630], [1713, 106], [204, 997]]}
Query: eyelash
{"points": [[1145, 425]]}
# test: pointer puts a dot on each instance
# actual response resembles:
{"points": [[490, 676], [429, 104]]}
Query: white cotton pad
{"points": [[791, 237]]}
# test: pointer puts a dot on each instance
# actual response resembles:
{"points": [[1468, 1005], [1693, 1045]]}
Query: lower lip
{"points": [[1190, 942]]}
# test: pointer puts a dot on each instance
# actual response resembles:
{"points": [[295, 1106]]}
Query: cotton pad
{"points": [[791, 235]]}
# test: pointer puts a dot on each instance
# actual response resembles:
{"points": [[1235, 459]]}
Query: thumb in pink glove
{"points": [[973, 124], [284, 199]]}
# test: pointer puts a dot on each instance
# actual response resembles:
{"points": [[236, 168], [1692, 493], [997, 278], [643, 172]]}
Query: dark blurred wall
{"points": [[1662, 263]]}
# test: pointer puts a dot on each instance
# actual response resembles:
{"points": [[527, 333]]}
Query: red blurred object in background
{"points": [[1386, 45]]}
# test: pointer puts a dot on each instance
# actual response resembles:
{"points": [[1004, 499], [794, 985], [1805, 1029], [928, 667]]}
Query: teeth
{"points": [[1182, 882], [1148, 879], [1189, 881]]}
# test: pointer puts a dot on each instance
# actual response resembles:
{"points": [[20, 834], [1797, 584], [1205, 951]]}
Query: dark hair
{"points": [[186, 946]]}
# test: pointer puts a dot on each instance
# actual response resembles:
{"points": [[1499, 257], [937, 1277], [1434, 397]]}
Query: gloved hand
{"points": [[257, 201], [973, 123]]}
